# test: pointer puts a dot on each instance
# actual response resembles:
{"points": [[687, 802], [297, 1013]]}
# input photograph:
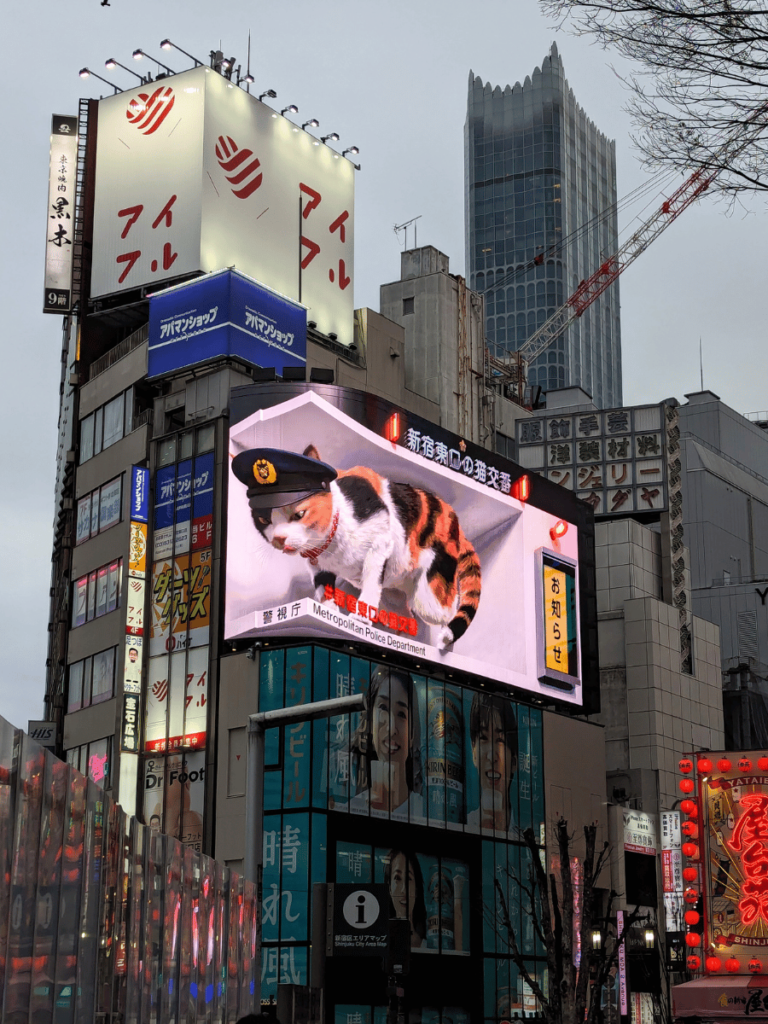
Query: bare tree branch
{"points": [[697, 96]]}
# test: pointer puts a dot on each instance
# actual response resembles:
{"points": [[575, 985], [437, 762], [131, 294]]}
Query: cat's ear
{"points": [[310, 452]]}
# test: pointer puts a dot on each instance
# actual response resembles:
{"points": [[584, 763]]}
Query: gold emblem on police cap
{"points": [[264, 472]]}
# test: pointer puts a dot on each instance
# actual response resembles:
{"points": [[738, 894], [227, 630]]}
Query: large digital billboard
{"points": [[224, 313], [334, 531], [193, 175]]}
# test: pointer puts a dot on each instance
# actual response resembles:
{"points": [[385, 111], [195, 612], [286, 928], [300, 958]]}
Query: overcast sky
{"points": [[391, 78]]}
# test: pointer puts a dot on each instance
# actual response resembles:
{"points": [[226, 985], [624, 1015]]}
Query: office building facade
{"points": [[167, 631], [540, 217]]}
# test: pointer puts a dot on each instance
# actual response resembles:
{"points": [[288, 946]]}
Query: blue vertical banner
{"points": [[165, 489], [139, 497]]}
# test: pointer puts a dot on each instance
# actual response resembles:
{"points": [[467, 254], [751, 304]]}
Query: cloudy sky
{"points": [[391, 78]]}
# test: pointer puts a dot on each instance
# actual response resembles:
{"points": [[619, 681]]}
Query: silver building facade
{"points": [[540, 217]]}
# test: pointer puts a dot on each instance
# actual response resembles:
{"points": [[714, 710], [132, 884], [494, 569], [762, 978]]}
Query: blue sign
{"points": [[139, 494], [224, 314]]}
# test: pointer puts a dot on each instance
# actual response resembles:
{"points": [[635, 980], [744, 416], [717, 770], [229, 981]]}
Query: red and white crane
{"points": [[512, 368]]}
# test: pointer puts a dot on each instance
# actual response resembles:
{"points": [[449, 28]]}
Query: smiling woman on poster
{"points": [[493, 737], [386, 749], [405, 881]]}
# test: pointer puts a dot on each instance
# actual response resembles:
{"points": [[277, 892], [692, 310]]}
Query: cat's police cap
{"points": [[275, 478]]}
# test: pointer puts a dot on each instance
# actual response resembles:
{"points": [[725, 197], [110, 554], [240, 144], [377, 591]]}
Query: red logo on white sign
{"points": [[147, 112], [238, 167]]}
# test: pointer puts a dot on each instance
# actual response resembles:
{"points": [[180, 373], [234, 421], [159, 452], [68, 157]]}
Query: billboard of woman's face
{"points": [[385, 748], [493, 738], [435, 753]]}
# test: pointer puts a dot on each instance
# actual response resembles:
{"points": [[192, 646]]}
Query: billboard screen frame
{"points": [[376, 413]]}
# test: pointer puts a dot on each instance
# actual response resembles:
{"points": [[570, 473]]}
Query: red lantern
{"points": [[694, 813], [688, 806], [691, 895], [691, 829], [693, 963], [745, 764], [692, 939], [724, 765], [713, 964], [732, 965], [690, 850], [692, 917], [690, 874], [704, 765], [685, 765], [686, 785], [755, 967], [762, 764]]}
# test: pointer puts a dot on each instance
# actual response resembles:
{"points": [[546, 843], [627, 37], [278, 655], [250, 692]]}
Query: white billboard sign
{"points": [[193, 175], [60, 232]]}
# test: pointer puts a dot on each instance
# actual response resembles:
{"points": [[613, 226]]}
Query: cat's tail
{"points": [[469, 585]]}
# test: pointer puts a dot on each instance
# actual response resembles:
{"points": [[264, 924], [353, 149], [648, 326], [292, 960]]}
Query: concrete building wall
{"points": [[442, 321], [652, 712], [578, 796]]}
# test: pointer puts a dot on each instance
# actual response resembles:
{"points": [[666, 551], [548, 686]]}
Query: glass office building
{"points": [[540, 184]]}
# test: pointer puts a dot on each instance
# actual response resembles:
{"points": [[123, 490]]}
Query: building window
{"points": [[205, 438], [92, 680], [106, 425], [408, 309], [505, 445], [94, 760], [186, 445], [166, 451], [99, 510], [97, 593]]}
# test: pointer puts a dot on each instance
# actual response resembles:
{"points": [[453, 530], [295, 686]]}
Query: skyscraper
{"points": [[540, 182]]}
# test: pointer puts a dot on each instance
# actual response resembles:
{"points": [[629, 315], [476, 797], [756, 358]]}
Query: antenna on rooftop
{"points": [[404, 227]]}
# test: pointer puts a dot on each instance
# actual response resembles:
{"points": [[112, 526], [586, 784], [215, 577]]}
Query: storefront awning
{"points": [[735, 997]]}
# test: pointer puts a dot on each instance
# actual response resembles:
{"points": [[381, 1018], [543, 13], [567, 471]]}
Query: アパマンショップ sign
{"points": [[363, 540]]}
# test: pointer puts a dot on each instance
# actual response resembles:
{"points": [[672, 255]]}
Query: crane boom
{"points": [[512, 368]]}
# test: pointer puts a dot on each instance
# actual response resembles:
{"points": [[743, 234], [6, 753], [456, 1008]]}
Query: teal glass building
{"points": [[540, 184]]}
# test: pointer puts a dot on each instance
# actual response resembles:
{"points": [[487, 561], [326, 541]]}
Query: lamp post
{"points": [[254, 787]]}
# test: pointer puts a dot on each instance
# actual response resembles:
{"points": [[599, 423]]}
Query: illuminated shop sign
{"points": [[139, 494], [193, 175], [224, 314], [726, 833], [333, 531], [60, 230]]}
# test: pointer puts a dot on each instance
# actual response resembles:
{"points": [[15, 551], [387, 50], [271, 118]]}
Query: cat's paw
{"points": [[444, 638]]}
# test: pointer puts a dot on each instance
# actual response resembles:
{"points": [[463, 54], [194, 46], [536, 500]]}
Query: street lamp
{"points": [[138, 54], [167, 44], [254, 782], [86, 73], [111, 64]]}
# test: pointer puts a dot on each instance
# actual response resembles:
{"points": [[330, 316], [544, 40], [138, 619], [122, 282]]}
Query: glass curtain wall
{"points": [[540, 216]]}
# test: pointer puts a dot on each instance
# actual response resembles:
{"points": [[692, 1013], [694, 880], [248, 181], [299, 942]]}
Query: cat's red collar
{"points": [[314, 553]]}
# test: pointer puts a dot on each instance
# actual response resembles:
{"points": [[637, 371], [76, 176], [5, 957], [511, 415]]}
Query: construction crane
{"points": [[511, 370]]}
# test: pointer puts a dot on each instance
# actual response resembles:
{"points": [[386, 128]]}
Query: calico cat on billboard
{"points": [[335, 531]]}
